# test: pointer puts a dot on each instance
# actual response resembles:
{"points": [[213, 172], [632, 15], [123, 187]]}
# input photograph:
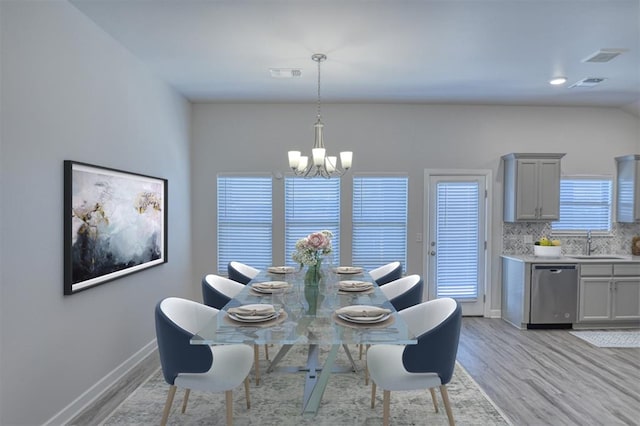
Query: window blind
{"points": [[244, 221], [311, 205], [585, 204], [457, 233], [379, 220]]}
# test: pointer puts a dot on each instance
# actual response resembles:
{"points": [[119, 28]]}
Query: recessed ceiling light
{"points": [[285, 72], [557, 81]]}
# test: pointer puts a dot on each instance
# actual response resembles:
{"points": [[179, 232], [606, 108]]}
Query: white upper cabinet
{"points": [[531, 187], [628, 189]]}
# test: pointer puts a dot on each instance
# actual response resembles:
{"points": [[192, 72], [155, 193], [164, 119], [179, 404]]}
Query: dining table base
{"points": [[316, 375]]}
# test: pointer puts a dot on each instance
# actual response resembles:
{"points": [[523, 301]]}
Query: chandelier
{"points": [[322, 165]]}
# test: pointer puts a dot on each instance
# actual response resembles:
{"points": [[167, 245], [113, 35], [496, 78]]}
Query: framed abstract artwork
{"points": [[115, 224]]}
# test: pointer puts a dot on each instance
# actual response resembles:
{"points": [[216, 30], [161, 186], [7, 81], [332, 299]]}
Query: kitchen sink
{"points": [[597, 257]]}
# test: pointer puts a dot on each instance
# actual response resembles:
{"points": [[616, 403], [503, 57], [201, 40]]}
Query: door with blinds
{"points": [[456, 245]]}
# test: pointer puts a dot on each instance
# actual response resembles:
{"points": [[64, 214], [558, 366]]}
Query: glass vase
{"points": [[313, 276]]}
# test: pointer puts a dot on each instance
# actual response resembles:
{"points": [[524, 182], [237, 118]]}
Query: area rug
{"points": [[610, 338], [278, 401]]}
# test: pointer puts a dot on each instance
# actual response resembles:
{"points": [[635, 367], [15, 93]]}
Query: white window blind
{"points": [[457, 231], [244, 221], [311, 205], [585, 204], [379, 220]]}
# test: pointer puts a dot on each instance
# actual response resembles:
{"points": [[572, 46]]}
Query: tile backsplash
{"points": [[619, 242]]}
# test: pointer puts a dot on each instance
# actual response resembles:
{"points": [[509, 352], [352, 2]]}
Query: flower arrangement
{"points": [[310, 249]]}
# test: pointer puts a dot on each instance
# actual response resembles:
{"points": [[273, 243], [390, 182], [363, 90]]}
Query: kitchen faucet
{"points": [[588, 248]]}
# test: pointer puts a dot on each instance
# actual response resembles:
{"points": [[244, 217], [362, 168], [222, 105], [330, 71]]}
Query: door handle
{"points": [[433, 253]]}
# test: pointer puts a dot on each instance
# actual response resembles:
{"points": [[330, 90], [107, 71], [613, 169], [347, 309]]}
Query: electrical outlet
{"points": [[528, 239]]}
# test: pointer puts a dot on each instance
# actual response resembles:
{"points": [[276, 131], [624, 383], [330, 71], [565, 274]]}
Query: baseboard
{"points": [[72, 411], [494, 313]]}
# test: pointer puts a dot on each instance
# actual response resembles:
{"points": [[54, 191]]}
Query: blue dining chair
{"points": [[198, 367], [425, 365], [386, 273], [404, 292], [241, 272], [217, 291]]}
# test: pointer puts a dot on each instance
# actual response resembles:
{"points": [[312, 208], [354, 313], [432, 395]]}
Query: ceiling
{"points": [[498, 52]]}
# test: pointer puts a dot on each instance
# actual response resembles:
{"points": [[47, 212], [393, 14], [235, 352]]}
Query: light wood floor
{"points": [[550, 377]]}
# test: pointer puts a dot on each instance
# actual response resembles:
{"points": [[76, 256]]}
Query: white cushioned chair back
{"points": [[244, 269], [383, 270], [224, 285], [397, 287], [427, 315], [187, 314]]}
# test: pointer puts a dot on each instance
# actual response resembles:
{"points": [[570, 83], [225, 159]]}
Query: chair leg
{"points": [[366, 368], [229, 397], [447, 405], [434, 399], [386, 402], [361, 347], [167, 405], [246, 392], [186, 399], [373, 394], [256, 363], [266, 352]]}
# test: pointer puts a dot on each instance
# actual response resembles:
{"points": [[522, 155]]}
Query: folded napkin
{"points": [[355, 285], [362, 311], [257, 310], [271, 285]]}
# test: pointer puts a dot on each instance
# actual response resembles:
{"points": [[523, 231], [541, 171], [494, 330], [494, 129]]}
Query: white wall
{"points": [[389, 137], [69, 91]]}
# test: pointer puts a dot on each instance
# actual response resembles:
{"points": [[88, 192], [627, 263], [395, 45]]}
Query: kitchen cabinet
{"points": [[628, 189], [531, 187], [609, 292]]}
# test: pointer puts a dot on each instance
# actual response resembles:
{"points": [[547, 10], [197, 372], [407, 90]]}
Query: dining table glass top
{"points": [[307, 313]]}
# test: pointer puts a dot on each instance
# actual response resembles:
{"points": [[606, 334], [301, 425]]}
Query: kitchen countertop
{"points": [[568, 259]]}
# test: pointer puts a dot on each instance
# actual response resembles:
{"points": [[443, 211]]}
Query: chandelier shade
{"points": [[321, 164]]}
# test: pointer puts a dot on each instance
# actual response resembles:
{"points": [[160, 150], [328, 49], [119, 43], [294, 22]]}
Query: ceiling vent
{"points": [[604, 55], [588, 82], [285, 72]]}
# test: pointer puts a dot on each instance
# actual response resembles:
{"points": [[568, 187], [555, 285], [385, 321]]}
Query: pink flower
{"points": [[317, 240]]}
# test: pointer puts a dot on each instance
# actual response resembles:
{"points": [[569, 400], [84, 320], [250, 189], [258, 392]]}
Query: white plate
{"points": [[349, 270], [365, 320], [252, 318], [344, 286], [281, 269]]}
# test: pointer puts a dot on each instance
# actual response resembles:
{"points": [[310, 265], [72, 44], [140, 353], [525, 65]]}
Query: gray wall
{"points": [[395, 138], [69, 91]]}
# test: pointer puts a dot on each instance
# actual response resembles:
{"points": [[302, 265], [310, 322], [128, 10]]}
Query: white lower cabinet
{"points": [[609, 293], [626, 299]]}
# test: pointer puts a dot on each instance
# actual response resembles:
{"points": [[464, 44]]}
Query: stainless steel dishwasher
{"points": [[554, 296]]}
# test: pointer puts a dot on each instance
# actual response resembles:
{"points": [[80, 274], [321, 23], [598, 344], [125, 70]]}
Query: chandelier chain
{"points": [[319, 60]]}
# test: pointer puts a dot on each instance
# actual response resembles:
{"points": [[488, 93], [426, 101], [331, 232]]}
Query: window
{"points": [[457, 232], [311, 205], [244, 221], [585, 204], [379, 220]]}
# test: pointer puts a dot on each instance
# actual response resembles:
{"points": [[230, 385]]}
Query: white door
{"points": [[455, 249]]}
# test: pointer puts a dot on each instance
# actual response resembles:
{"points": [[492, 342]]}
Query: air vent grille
{"points": [[604, 55], [285, 72], [588, 82]]}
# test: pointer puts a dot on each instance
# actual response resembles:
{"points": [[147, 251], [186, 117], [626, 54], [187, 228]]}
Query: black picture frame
{"points": [[115, 224]]}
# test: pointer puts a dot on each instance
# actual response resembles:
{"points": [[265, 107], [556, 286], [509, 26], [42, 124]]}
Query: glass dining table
{"points": [[307, 316]]}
